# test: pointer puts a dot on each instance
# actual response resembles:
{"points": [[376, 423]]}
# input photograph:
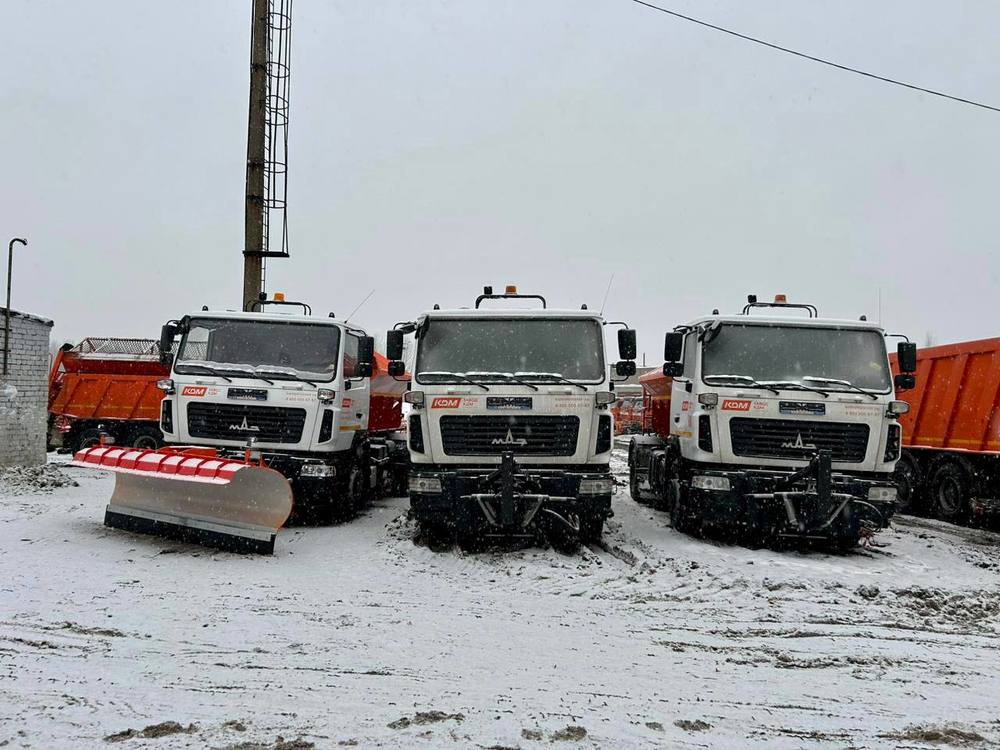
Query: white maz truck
{"points": [[510, 433], [774, 426], [307, 397]]}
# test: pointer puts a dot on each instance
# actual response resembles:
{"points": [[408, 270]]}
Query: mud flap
{"points": [[193, 495]]}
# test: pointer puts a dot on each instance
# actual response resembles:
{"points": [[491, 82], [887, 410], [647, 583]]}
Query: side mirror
{"points": [[394, 345], [673, 347], [397, 368], [167, 334], [906, 356], [626, 343], [366, 357], [673, 369], [625, 368], [905, 382]]}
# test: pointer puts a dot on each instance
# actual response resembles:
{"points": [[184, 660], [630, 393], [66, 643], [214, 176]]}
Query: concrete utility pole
{"points": [[253, 249], [6, 317]]}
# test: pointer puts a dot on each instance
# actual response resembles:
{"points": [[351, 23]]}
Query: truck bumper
{"points": [[805, 509], [512, 500]]}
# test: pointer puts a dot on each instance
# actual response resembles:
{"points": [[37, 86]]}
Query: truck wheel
{"points": [[88, 439], [633, 486], [676, 507], [317, 503], [358, 493], [844, 544], [468, 538], [950, 486], [591, 528], [436, 532], [908, 485], [146, 438]]}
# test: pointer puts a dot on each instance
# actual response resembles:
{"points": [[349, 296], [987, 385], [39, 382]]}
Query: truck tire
{"points": [[358, 493], [468, 538], [591, 528], [316, 503], [909, 484], [633, 486], [675, 505], [950, 488], [146, 437], [87, 439]]}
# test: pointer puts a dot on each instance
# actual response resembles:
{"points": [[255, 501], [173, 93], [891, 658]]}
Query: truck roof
{"points": [[272, 317], [788, 321], [492, 312]]}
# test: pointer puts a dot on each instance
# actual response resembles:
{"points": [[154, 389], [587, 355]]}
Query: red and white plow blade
{"points": [[212, 500]]}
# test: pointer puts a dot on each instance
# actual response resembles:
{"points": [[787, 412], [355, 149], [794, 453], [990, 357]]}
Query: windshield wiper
{"points": [[796, 384], [746, 379], [559, 378], [208, 369], [446, 374], [847, 383], [509, 375], [281, 371]]}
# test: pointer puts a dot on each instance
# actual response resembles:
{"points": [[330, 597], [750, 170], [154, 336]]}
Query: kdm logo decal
{"points": [[446, 403], [194, 390], [735, 404]]}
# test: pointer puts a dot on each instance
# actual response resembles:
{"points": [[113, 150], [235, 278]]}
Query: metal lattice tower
{"points": [[266, 231]]}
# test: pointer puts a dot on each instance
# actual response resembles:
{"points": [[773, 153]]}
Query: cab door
{"points": [[355, 400], [681, 401]]}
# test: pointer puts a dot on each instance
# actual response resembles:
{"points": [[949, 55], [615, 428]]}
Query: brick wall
{"points": [[24, 391]]}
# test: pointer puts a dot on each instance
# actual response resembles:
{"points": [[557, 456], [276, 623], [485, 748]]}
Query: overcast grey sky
{"points": [[439, 146]]}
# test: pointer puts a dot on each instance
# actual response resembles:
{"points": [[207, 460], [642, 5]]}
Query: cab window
{"points": [[350, 355]]}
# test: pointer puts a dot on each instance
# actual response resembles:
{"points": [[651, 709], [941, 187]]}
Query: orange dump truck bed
{"points": [[656, 402], [386, 412], [107, 379], [956, 403]]}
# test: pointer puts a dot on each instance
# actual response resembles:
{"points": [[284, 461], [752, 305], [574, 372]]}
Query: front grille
{"points": [[268, 424], [792, 438], [489, 435]]}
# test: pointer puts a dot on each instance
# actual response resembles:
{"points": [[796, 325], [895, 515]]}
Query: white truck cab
{"points": [[778, 426], [293, 389], [510, 433]]}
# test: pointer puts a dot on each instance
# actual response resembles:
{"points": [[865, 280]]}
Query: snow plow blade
{"points": [[194, 495]]}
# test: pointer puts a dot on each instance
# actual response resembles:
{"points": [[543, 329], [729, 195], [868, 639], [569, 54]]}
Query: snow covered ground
{"points": [[356, 636]]}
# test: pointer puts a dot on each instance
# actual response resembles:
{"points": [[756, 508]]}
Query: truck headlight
{"points": [[414, 397], [707, 482], [882, 494], [326, 395], [425, 485], [897, 408], [317, 471], [166, 385], [597, 486], [708, 399], [603, 398]]}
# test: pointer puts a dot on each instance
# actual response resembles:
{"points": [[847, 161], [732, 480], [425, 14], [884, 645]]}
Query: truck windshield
{"points": [[535, 349], [281, 351], [776, 355]]}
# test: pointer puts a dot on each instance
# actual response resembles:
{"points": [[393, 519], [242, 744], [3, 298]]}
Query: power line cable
{"points": [[832, 64]]}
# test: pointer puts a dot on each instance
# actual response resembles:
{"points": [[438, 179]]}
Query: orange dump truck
{"points": [[106, 385], [627, 413], [950, 465]]}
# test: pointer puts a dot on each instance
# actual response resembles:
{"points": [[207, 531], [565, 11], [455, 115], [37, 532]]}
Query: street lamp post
{"points": [[6, 317]]}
